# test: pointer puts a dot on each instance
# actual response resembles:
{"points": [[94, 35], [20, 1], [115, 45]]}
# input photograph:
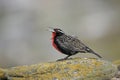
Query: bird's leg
{"points": [[64, 58]]}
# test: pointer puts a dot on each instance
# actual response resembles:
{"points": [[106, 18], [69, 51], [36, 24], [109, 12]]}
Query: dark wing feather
{"points": [[70, 43], [74, 45]]}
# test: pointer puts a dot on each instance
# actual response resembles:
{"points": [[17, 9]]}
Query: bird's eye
{"points": [[59, 30]]}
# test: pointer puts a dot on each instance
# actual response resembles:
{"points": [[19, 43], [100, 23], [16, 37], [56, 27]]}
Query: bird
{"points": [[68, 45]]}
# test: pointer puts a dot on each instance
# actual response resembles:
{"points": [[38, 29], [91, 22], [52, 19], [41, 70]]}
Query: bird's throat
{"points": [[53, 41], [53, 35]]}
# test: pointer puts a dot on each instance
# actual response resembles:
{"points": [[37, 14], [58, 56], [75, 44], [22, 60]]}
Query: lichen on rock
{"points": [[72, 69]]}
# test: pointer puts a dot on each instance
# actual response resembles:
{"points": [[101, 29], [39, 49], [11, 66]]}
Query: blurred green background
{"points": [[24, 38]]}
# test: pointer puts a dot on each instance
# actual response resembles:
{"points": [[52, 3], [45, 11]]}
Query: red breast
{"points": [[53, 39]]}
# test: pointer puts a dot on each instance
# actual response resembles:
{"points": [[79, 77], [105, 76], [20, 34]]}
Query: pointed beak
{"points": [[51, 29]]}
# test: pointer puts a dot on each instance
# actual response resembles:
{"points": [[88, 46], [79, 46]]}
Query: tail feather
{"points": [[91, 51], [96, 54]]}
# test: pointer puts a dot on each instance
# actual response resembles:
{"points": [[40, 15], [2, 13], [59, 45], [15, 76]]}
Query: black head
{"points": [[56, 30]]}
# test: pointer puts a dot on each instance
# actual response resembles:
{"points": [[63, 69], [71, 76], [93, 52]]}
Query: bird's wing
{"points": [[74, 45], [70, 43]]}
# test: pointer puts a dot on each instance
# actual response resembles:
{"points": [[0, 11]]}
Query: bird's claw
{"points": [[61, 59]]}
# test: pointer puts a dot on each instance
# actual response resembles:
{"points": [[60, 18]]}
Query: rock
{"points": [[73, 69], [117, 75]]}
